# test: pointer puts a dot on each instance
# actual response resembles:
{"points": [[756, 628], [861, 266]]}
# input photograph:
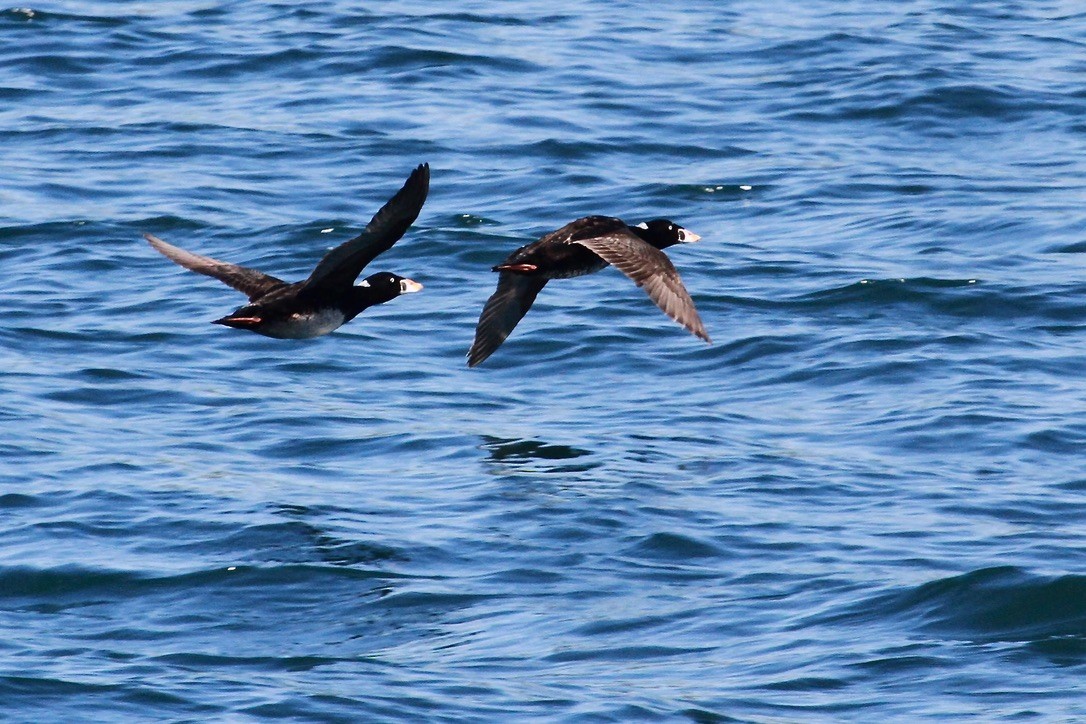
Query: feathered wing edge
{"points": [[254, 284], [505, 308], [342, 265], [652, 270]]}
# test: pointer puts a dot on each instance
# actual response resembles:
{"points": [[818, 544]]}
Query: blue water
{"points": [[865, 501]]}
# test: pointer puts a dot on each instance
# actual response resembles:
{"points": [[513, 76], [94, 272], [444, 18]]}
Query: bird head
{"points": [[663, 233], [386, 286]]}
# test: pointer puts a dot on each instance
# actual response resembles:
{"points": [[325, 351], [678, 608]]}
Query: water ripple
{"points": [[860, 502]]}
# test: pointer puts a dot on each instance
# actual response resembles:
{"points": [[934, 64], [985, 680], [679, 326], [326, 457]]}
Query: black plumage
{"points": [[329, 298], [582, 247]]}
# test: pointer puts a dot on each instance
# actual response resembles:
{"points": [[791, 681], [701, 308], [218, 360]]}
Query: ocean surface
{"points": [[865, 501]]}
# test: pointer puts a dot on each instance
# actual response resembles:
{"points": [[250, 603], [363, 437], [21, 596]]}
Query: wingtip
{"points": [[417, 185], [422, 171], [698, 330], [477, 355], [694, 326], [158, 244]]}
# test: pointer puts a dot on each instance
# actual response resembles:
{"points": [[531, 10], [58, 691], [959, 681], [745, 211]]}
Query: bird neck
{"points": [[647, 235], [357, 299]]}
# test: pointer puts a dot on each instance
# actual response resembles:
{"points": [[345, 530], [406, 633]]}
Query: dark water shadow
{"points": [[535, 456]]}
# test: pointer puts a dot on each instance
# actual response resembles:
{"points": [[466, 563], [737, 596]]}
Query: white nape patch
{"points": [[363, 283], [305, 326], [643, 225], [327, 231]]}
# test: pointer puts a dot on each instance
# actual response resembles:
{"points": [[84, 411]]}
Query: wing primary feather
{"points": [[505, 308], [250, 282], [652, 270], [342, 265]]}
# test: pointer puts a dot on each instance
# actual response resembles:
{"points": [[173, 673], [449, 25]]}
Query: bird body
{"points": [[297, 312], [558, 255], [328, 298], [583, 247], [292, 325]]}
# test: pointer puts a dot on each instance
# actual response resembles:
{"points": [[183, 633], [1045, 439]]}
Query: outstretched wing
{"points": [[506, 306], [649, 268], [250, 282], [342, 265]]}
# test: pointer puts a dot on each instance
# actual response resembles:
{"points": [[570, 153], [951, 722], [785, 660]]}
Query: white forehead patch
{"points": [[363, 283], [643, 225]]}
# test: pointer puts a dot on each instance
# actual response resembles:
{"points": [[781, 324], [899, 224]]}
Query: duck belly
{"points": [[304, 325]]}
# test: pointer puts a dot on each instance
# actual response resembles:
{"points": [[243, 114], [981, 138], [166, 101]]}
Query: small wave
{"points": [[808, 683], [887, 291], [399, 58], [74, 585], [203, 662], [41, 686], [673, 547], [297, 541], [469, 220], [703, 192], [499, 19], [748, 350], [626, 653], [1004, 603], [56, 65], [19, 94], [292, 60], [1078, 247], [440, 601], [948, 102], [1064, 440], [622, 626], [962, 298], [18, 500], [35, 16]]}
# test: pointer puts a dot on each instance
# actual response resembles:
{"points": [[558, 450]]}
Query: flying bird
{"points": [[582, 247], [329, 298]]}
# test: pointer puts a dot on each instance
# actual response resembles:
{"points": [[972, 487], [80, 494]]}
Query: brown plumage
{"points": [[583, 247]]}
